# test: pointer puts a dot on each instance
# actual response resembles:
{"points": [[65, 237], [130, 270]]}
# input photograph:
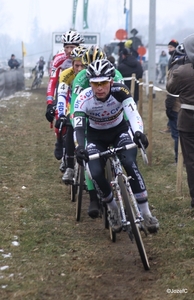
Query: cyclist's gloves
{"points": [[61, 122], [81, 154], [50, 112], [139, 138]]}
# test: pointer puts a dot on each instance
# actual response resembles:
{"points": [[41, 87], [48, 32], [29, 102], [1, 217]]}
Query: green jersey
{"points": [[81, 82]]}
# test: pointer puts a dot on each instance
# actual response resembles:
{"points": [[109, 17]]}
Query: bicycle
{"points": [[78, 185], [77, 188], [132, 221], [37, 80]]}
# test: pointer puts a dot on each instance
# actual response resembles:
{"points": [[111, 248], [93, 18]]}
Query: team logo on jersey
{"points": [[125, 90], [77, 103], [105, 113], [115, 89], [88, 93], [115, 110], [60, 107], [111, 103], [81, 97]]}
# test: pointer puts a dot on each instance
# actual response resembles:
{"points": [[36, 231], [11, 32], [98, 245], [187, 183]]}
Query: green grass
{"points": [[59, 258]]}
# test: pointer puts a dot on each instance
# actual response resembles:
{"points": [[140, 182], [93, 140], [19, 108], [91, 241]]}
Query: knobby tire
{"points": [[34, 83], [134, 226], [74, 186], [80, 189], [109, 176]]}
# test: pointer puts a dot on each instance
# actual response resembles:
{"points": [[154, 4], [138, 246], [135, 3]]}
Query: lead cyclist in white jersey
{"points": [[103, 105]]}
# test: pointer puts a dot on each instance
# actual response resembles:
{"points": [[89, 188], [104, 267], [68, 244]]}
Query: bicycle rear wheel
{"points": [[80, 188], [134, 226]]}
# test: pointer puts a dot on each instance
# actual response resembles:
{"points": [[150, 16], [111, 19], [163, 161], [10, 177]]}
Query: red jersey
{"points": [[56, 67]]}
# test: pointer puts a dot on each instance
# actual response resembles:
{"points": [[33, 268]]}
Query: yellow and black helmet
{"points": [[93, 53], [78, 52]]}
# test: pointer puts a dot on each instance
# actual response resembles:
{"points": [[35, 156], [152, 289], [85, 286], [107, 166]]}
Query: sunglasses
{"points": [[100, 83]]}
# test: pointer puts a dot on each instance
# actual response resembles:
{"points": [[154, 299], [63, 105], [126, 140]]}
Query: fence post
{"points": [[179, 177], [150, 122], [133, 84], [146, 82], [140, 101]]}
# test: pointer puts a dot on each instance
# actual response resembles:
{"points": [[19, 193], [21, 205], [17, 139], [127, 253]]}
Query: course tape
{"points": [[156, 88]]}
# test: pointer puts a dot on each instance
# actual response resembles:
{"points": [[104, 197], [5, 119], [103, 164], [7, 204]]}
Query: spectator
{"points": [[121, 46], [13, 63], [163, 62], [112, 60], [171, 49], [180, 82], [129, 45], [129, 65], [173, 104]]}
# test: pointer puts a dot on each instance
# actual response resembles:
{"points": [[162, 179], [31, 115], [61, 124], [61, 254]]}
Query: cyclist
{"points": [[103, 104], [40, 66], [63, 106], [80, 83], [62, 60]]}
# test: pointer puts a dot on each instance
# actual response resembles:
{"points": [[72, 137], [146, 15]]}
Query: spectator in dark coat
{"points": [[13, 63], [112, 60], [129, 65], [180, 82]]}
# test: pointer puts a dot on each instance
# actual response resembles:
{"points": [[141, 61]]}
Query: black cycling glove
{"points": [[81, 154], [50, 112], [139, 136]]}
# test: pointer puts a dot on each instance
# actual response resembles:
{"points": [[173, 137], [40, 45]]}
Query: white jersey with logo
{"points": [[108, 114]]}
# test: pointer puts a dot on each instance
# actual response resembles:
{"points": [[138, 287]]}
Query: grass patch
{"points": [[58, 258]]}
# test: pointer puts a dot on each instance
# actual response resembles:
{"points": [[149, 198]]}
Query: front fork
{"points": [[117, 190], [138, 217]]}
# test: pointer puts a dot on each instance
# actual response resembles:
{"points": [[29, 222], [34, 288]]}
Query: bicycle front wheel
{"points": [[34, 83], [39, 82], [80, 188], [73, 187], [109, 176], [134, 226]]}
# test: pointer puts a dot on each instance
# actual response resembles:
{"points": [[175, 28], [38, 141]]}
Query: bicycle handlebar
{"points": [[66, 124], [111, 151]]}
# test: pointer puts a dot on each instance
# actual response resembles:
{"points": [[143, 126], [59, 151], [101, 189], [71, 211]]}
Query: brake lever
{"points": [[61, 124], [143, 152]]}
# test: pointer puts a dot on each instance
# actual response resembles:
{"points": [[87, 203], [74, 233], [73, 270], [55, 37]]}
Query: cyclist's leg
{"points": [[96, 171], [58, 152], [70, 148], [93, 210]]}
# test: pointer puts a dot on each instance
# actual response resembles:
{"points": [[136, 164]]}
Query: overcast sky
{"points": [[104, 18]]}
